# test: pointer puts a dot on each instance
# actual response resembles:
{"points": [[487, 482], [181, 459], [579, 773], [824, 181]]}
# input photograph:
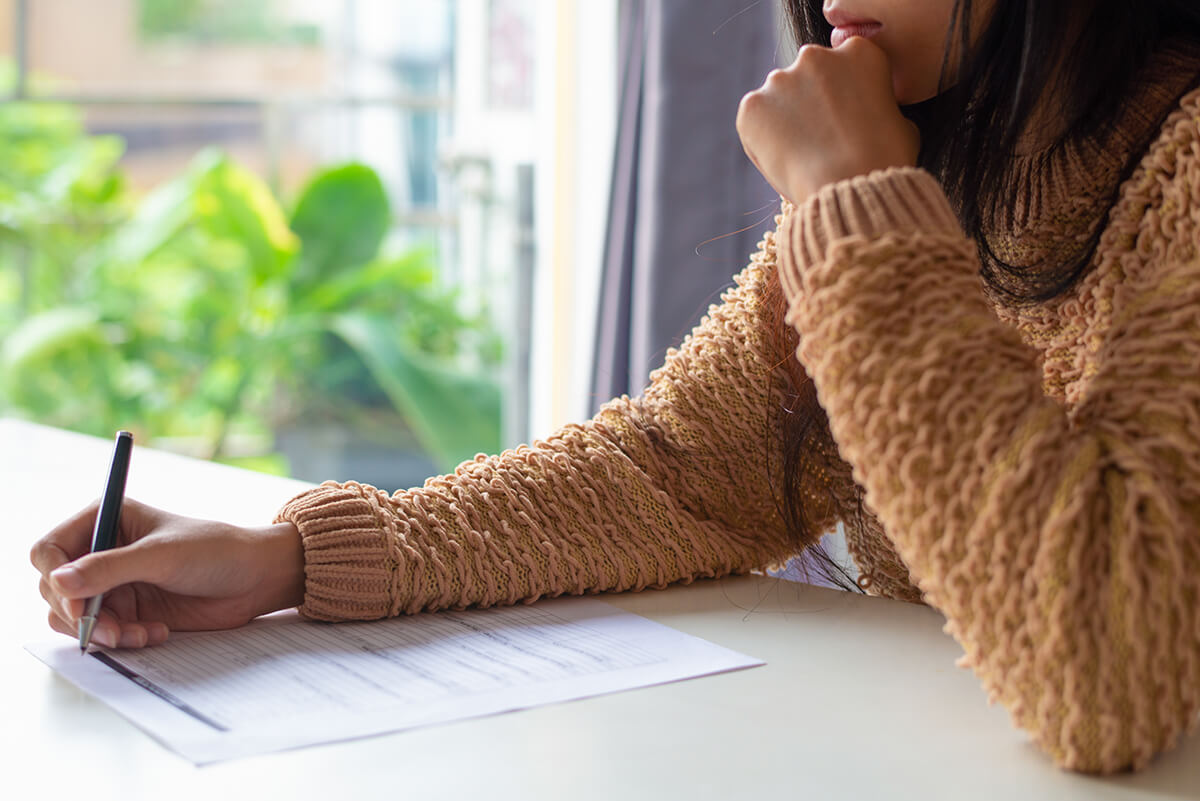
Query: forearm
{"points": [[672, 486], [1032, 528], [512, 528]]}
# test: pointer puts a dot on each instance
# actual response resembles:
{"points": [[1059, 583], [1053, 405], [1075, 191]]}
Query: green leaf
{"points": [[453, 416], [381, 284], [341, 218], [42, 335], [228, 203], [83, 171], [233, 203], [164, 212]]}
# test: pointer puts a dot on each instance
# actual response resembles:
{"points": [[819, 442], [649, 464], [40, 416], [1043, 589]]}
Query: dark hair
{"points": [[969, 134]]}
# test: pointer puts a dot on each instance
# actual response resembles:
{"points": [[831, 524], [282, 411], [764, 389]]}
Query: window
{"points": [[294, 234]]}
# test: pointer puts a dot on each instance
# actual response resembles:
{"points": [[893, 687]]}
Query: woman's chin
{"points": [[907, 94]]}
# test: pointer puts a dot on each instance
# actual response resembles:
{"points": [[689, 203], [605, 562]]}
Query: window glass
{"points": [[248, 231]]}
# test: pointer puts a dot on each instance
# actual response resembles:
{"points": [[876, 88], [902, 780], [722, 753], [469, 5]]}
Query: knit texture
{"points": [[672, 486], [1041, 482], [1033, 474]]}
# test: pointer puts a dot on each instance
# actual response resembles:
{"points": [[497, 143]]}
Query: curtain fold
{"points": [[687, 207]]}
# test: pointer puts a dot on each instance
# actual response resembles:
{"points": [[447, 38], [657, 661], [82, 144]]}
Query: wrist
{"points": [[832, 172], [281, 556]]}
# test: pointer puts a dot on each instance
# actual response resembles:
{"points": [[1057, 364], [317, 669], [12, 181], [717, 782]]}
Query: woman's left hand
{"points": [[831, 115]]}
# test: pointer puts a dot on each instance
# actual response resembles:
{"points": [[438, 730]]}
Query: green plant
{"points": [[220, 20], [204, 309], [60, 195], [357, 310]]}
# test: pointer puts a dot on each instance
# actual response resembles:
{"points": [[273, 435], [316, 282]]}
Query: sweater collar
{"points": [[1061, 195]]}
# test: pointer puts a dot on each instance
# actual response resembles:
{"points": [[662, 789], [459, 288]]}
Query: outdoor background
{"points": [[305, 236]]}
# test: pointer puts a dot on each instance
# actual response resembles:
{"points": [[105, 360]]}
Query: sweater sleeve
{"points": [[1060, 544], [671, 486]]}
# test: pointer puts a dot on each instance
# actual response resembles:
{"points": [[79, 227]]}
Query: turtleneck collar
{"points": [[1057, 198]]}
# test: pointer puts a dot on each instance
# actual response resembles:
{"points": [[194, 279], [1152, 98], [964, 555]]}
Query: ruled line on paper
{"points": [[283, 682], [247, 676], [145, 684]]}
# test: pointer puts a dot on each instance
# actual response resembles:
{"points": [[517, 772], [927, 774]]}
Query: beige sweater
{"points": [[1034, 475]]}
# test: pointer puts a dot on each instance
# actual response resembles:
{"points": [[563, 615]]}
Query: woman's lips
{"points": [[847, 30]]}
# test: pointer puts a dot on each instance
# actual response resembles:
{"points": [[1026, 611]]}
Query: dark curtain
{"points": [[682, 188]]}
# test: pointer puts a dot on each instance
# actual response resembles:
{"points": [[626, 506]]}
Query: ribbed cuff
{"points": [[895, 200], [349, 564]]}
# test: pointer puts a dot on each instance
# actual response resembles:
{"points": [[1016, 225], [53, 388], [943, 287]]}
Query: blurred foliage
{"points": [[230, 21], [204, 309]]}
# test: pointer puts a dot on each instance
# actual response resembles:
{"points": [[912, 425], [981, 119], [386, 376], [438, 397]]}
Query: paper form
{"points": [[283, 682]]}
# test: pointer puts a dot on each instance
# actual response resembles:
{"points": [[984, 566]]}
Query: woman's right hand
{"points": [[167, 572]]}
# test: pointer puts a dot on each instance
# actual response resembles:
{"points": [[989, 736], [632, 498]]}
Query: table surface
{"points": [[859, 698]]}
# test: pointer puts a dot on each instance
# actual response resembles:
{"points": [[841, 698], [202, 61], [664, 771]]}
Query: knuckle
{"points": [[45, 555], [36, 554], [810, 54], [59, 607], [93, 567], [135, 510], [749, 105], [57, 623]]}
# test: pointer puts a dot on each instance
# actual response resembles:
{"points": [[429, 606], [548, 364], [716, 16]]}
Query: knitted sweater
{"points": [[1034, 474]]}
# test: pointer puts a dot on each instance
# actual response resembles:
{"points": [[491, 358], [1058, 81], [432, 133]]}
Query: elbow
{"points": [[1117, 735]]}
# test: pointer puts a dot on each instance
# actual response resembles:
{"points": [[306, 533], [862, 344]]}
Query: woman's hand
{"points": [[168, 572], [831, 115]]}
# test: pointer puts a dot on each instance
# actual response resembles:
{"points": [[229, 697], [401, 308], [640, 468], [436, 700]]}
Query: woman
{"points": [[986, 366]]}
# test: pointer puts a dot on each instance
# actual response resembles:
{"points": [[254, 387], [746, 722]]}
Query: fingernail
{"points": [[67, 577], [102, 636]]}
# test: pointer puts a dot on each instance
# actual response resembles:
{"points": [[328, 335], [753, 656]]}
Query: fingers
{"points": [[862, 49], [67, 540], [70, 575], [60, 625], [97, 573], [112, 633], [72, 538], [67, 609]]}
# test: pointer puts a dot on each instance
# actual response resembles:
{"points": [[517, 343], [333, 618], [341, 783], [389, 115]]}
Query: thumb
{"points": [[100, 572]]}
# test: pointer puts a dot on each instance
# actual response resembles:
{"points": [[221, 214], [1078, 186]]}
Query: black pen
{"points": [[104, 536]]}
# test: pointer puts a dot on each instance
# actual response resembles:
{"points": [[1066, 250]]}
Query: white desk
{"points": [[859, 699]]}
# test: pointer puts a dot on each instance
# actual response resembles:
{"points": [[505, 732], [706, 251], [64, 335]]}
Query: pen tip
{"points": [[86, 624]]}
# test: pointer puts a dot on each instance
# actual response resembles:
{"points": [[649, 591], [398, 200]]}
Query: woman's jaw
{"points": [[913, 34]]}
